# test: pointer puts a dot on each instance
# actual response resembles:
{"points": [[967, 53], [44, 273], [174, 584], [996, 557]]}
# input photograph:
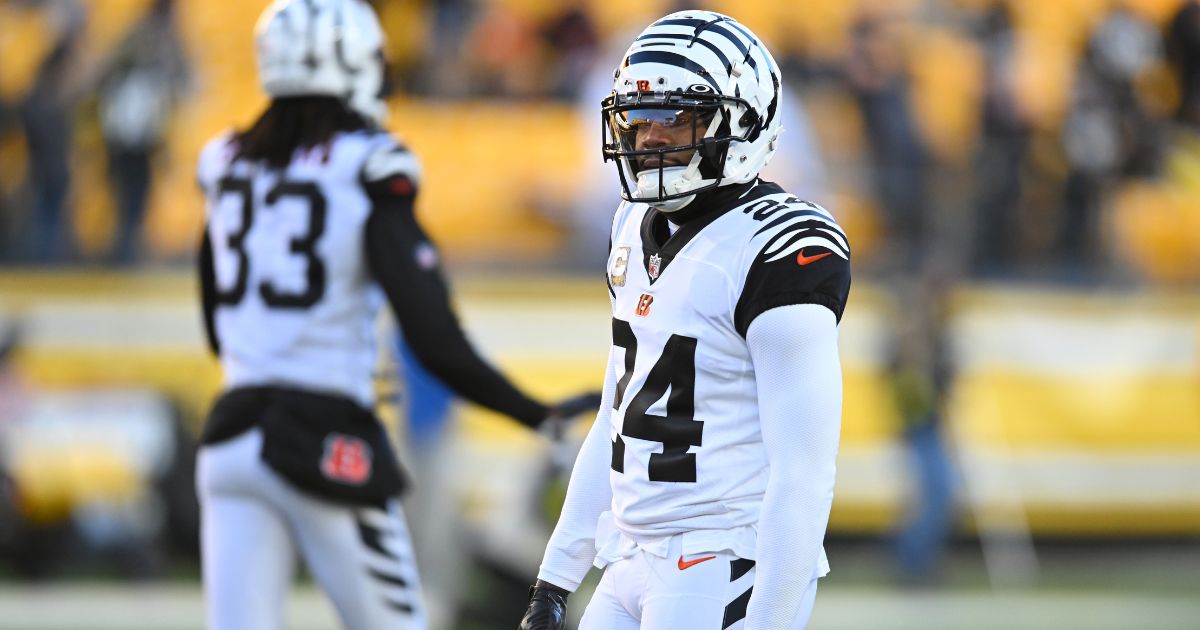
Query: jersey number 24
{"points": [[678, 430]]}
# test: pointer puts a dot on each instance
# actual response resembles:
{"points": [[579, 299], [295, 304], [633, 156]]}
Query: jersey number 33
{"points": [[301, 244]]}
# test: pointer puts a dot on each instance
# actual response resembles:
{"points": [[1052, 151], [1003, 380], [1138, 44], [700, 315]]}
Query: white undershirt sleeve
{"points": [[572, 547], [795, 356]]}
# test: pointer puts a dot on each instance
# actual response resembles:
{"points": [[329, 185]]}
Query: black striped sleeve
{"points": [[805, 262]]}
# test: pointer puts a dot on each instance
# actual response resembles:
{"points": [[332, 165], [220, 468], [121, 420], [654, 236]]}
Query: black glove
{"points": [[547, 608], [575, 405]]}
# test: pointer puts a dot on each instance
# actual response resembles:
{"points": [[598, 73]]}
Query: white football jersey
{"points": [[296, 304], [687, 449]]}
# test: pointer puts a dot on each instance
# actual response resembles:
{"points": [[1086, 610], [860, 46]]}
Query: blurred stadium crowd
{"points": [[1053, 140], [967, 146]]}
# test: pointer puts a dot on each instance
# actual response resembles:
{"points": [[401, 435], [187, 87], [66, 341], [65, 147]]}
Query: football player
{"points": [[704, 487], [309, 226]]}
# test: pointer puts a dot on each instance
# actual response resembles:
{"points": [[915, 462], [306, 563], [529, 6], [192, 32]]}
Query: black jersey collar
{"points": [[659, 246]]}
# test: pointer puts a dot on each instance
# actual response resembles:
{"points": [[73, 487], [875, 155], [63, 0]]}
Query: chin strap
{"points": [[672, 205], [723, 196]]}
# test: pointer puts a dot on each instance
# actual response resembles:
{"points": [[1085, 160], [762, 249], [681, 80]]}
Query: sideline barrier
{"points": [[1072, 414]]}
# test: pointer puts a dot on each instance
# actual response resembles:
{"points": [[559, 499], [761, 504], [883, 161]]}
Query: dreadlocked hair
{"points": [[296, 122]]}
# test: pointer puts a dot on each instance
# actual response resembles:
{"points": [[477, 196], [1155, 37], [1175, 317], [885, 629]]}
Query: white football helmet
{"points": [[699, 68], [323, 47]]}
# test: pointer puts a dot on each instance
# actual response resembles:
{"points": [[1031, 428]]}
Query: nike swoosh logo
{"points": [[691, 563], [802, 260]]}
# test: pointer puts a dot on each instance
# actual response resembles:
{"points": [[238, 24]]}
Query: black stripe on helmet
{"points": [[741, 29], [762, 50], [310, 55], [774, 106], [772, 69], [339, 46], [672, 59], [707, 44], [711, 27]]}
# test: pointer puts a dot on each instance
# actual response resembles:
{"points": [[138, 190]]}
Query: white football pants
{"points": [[253, 523], [646, 592]]}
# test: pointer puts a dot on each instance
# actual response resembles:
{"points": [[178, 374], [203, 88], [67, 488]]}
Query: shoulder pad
{"points": [[214, 157], [791, 225], [391, 160], [800, 255]]}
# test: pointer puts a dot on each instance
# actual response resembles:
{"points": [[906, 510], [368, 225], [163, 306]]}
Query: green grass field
{"points": [[1098, 587]]}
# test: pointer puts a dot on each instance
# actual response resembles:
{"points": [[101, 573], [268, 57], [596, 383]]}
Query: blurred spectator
{"points": [[499, 51], [47, 116], [9, 124], [1107, 133], [878, 77], [138, 91], [1158, 218], [503, 55], [426, 405], [24, 552], [921, 376], [1183, 47], [444, 73], [588, 219], [571, 36], [1003, 150], [11, 389]]}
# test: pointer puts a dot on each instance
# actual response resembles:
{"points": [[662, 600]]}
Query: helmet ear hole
{"points": [[387, 85], [713, 150], [751, 121]]}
